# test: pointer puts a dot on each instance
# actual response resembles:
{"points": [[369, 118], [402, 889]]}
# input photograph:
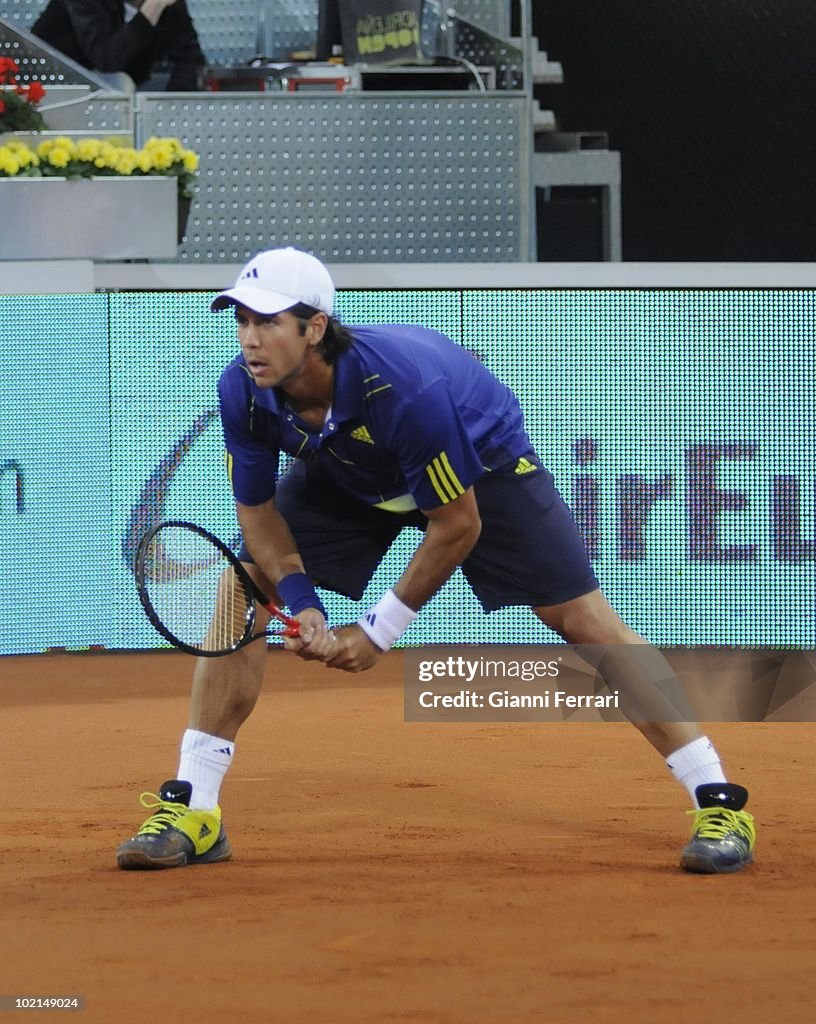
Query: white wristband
{"points": [[385, 623]]}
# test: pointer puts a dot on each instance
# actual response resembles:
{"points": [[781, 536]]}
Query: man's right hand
{"points": [[316, 641]]}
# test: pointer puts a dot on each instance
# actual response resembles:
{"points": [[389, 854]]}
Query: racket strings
{"points": [[230, 617], [195, 594]]}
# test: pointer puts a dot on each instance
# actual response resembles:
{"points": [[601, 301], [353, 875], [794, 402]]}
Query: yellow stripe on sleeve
{"points": [[441, 494], [443, 478], [454, 479], [445, 481]]}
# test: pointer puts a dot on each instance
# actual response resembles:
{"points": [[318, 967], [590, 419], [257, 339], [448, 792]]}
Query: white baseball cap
{"points": [[278, 279]]}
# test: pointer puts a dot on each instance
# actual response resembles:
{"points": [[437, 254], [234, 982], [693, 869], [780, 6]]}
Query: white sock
{"points": [[696, 764], [203, 763]]}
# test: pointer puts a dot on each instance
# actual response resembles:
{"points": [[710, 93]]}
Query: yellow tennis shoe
{"points": [[722, 834], [174, 836]]}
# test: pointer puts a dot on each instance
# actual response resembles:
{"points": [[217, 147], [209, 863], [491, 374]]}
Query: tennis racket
{"points": [[197, 594]]}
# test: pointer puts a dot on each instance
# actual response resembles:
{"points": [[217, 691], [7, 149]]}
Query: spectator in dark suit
{"points": [[103, 35]]}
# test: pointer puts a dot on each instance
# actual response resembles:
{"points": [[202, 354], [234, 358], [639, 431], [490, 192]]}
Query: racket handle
{"points": [[292, 625]]}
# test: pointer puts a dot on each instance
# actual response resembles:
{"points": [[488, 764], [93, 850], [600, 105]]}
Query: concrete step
{"points": [[543, 120], [545, 71], [570, 142]]}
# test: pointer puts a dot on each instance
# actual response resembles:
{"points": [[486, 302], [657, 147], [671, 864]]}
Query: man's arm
{"points": [[271, 544], [269, 540], [452, 532]]}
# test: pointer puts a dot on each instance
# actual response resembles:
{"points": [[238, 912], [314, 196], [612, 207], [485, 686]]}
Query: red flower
{"points": [[18, 107], [35, 92], [8, 70]]}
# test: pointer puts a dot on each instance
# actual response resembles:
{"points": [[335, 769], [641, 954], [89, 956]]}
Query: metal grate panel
{"points": [[37, 60], [491, 15], [480, 47], [22, 13], [235, 31], [227, 31], [109, 114], [285, 26], [358, 178]]}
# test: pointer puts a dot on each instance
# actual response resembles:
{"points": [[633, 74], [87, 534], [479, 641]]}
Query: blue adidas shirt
{"points": [[415, 420]]}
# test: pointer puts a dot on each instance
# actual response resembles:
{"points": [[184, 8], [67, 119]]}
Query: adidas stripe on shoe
{"points": [[174, 836]]}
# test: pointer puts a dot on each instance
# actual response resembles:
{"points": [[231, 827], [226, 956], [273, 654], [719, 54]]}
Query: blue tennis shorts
{"points": [[528, 553]]}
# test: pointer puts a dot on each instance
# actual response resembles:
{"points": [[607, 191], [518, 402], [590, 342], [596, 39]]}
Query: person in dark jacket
{"points": [[99, 35]]}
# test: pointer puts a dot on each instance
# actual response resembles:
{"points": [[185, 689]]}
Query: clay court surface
{"points": [[389, 872]]}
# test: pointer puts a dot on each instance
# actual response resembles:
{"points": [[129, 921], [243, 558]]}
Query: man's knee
{"points": [[588, 619]]}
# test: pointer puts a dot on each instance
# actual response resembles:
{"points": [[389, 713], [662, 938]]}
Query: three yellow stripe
{"points": [[445, 482], [442, 476]]}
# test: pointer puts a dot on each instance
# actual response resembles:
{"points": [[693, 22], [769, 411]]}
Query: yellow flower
{"points": [[162, 157], [25, 156], [157, 156], [126, 161], [87, 150], [169, 143], [63, 142], [59, 157], [9, 164], [107, 156]]}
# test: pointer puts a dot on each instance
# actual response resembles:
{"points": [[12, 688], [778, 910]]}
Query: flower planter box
{"points": [[99, 219]]}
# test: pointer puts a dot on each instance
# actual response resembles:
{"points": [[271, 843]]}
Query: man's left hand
{"points": [[353, 651]]}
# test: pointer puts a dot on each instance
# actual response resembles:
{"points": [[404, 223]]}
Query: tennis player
{"points": [[394, 426]]}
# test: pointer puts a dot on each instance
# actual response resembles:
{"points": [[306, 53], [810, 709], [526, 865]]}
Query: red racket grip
{"points": [[292, 625]]}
